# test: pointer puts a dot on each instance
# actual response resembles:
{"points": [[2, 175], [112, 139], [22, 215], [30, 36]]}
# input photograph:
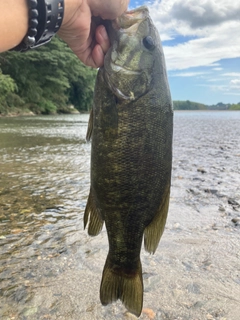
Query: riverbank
{"points": [[19, 112]]}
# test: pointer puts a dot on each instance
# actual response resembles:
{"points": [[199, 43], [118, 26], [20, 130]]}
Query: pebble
{"points": [[194, 192], [215, 227], [233, 202], [193, 288], [16, 231], [30, 311], [129, 316], [150, 313], [176, 225], [236, 220], [212, 191]]}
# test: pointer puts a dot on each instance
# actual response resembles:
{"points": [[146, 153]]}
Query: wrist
{"points": [[14, 23], [44, 20], [70, 9]]}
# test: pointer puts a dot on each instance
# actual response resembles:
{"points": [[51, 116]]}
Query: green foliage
{"points": [[47, 79], [235, 107], [188, 105], [44, 107], [8, 97], [7, 84]]}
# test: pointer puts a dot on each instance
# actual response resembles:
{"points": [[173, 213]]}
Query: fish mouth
{"points": [[130, 20], [117, 68]]}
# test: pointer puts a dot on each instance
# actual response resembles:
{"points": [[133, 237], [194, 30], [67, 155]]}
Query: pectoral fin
{"points": [[154, 230], [93, 215], [90, 126]]}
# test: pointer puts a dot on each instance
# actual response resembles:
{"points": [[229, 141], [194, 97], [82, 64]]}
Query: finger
{"points": [[108, 9], [97, 56], [102, 38], [92, 57]]}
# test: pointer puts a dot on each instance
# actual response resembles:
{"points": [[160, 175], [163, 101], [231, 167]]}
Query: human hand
{"points": [[88, 40]]}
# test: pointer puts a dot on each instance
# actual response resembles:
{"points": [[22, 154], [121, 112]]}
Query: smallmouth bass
{"points": [[131, 127]]}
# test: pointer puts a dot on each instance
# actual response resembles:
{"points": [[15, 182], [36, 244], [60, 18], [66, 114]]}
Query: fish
{"points": [[131, 129]]}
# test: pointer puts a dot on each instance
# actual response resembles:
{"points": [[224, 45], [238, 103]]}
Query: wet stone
{"points": [[21, 294], [193, 191], [198, 179], [129, 316], [212, 191], [236, 220], [152, 283], [233, 202], [30, 311], [199, 304], [148, 313], [193, 288], [187, 265], [221, 208]]}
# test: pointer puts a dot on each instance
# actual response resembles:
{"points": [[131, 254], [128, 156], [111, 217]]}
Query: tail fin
{"points": [[118, 284]]}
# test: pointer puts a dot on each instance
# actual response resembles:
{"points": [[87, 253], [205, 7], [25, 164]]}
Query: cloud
{"points": [[214, 25], [215, 80], [194, 14], [204, 13], [227, 88], [232, 74], [189, 74], [235, 81], [235, 84]]}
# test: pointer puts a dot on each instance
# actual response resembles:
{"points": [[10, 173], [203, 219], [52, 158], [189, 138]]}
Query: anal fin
{"points": [[92, 215], [154, 231]]}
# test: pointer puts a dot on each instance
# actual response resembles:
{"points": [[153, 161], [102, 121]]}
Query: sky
{"points": [[201, 43]]}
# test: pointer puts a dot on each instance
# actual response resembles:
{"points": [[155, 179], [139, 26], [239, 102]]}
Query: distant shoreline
{"points": [[177, 106]]}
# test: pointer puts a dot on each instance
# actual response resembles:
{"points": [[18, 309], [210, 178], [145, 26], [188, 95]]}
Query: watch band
{"points": [[45, 19]]}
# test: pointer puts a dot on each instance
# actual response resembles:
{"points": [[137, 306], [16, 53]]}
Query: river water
{"points": [[51, 269]]}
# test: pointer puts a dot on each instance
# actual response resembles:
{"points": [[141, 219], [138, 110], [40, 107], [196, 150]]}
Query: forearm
{"points": [[14, 20], [13, 23]]}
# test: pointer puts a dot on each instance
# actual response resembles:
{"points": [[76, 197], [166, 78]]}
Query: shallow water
{"points": [[51, 269]]}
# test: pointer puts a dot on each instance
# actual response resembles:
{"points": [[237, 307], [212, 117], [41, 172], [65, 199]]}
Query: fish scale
{"points": [[131, 157]]}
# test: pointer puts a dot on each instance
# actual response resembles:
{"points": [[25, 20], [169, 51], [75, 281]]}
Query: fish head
{"points": [[129, 63]]}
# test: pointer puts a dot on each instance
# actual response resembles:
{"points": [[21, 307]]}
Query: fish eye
{"points": [[148, 43]]}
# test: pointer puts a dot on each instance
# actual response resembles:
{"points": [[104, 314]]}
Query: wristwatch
{"points": [[45, 19]]}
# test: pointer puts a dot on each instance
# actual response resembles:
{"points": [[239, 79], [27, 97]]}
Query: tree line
{"points": [[46, 80], [190, 105]]}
